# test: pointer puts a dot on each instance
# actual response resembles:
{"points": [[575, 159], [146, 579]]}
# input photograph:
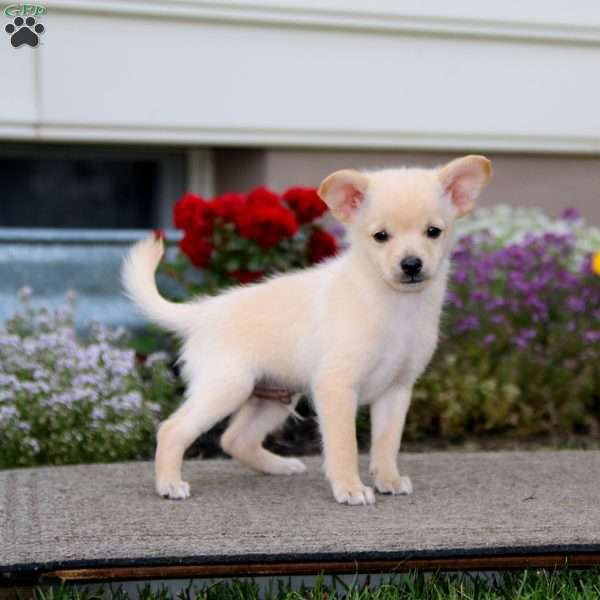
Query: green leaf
{"points": [[232, 263], [257, 263]]}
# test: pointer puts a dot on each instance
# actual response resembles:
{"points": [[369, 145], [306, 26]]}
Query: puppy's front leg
{"points": [[388, 415], [336, 406]]}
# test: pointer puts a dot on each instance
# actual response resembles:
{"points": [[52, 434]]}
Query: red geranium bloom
{"points": [[197, 249], [265, 219], [192, 212], [321, 245], [262, 196], [247, 276], [228, 206], [305, 202]]}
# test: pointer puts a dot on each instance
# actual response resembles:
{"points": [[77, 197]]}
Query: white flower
{"points": [[7, 413]]}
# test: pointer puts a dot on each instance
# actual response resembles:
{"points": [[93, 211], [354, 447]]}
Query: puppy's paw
{"points": [[353, 494], [174, 490], [290, 466], [393, 484]]}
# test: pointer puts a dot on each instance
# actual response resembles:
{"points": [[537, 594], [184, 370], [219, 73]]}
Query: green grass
{"points": [[523, 585]]}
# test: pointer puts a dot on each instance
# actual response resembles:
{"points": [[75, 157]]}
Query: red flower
{"points": [[247, 276], [197, 249], [228, 206], [305, 202], [321, 245], [159, 234], [265, 219], [192, 212], [262, 196]]}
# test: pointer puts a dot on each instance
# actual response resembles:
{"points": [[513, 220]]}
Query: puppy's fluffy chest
{"points": [[402, 345]]}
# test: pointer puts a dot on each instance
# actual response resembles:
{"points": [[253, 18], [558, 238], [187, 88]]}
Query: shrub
{"points": [[520, 339], [64, 400]]}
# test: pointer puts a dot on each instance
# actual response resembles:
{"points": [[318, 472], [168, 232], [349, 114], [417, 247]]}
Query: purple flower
{"points": [[489, 338], [586, 265], [536, 304], [592, 336], [495, 303], [570, 214], [575, 304], [520, 342], [480, 296], [461, 277], [516, 280], [467, 324], [523, 337], [454, 299]]}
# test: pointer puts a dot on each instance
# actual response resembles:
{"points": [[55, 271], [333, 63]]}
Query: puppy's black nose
{"points": [[411, 265]]}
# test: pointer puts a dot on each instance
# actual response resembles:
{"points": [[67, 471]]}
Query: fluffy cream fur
{"points": [[351, 331]]}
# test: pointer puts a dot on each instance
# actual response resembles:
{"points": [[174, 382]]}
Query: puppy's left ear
{"points": [[463, 179], [344, 192]]}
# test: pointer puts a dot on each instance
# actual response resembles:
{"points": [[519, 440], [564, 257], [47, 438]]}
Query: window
{"points": [[86, 187]]}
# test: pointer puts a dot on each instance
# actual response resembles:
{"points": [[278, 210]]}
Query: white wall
{"points": [[504, 76]]}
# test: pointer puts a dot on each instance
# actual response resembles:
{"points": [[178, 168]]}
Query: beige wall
{"points": [[549, 182]]}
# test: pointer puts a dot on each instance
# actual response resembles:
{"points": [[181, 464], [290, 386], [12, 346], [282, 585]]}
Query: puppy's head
{"points": [[402, 219]]}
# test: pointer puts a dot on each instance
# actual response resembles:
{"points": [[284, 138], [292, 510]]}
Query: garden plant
{"points": [[66, 400], [237, 239]]}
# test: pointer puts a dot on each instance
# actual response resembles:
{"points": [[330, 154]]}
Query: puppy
{"points": [[357, 329]]}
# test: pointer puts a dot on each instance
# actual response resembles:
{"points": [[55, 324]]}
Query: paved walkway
{"points": [[465, 506]]}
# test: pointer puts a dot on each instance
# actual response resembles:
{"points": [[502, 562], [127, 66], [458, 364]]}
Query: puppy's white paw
{"points": [[175, 490], [290, 466], [393, 484], [353, 494]]}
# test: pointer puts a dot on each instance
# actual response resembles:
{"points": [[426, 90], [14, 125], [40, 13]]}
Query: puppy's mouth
{"points": [[412, 279]]}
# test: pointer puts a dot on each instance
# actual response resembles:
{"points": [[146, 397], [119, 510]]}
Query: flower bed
{"points": [[65, 400], [520, 342], [518, 354]]}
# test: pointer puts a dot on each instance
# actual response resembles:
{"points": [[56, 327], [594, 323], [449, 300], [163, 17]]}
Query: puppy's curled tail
{"points": [[137, 276]]}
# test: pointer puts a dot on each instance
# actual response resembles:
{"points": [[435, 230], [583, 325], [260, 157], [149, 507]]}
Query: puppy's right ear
{"points": [[343, 192]]}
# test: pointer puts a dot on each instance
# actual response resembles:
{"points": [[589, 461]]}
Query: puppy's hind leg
{"points": [[244, 437], [206, 404]]}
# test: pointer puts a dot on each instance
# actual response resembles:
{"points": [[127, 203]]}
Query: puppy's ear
{"points": [[343, 192], [463, 179]]}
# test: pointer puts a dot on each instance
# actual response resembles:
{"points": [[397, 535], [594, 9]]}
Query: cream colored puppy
{"points": [[357, 329]]}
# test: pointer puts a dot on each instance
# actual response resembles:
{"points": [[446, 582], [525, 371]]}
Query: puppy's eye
{"points": [[434, 232], [381, 236]]}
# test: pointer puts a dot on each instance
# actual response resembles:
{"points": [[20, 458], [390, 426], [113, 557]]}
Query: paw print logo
{"points": [[24, 32]]}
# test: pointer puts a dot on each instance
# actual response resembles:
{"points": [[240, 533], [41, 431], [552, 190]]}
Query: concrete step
{"points": [[468, 510]]}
